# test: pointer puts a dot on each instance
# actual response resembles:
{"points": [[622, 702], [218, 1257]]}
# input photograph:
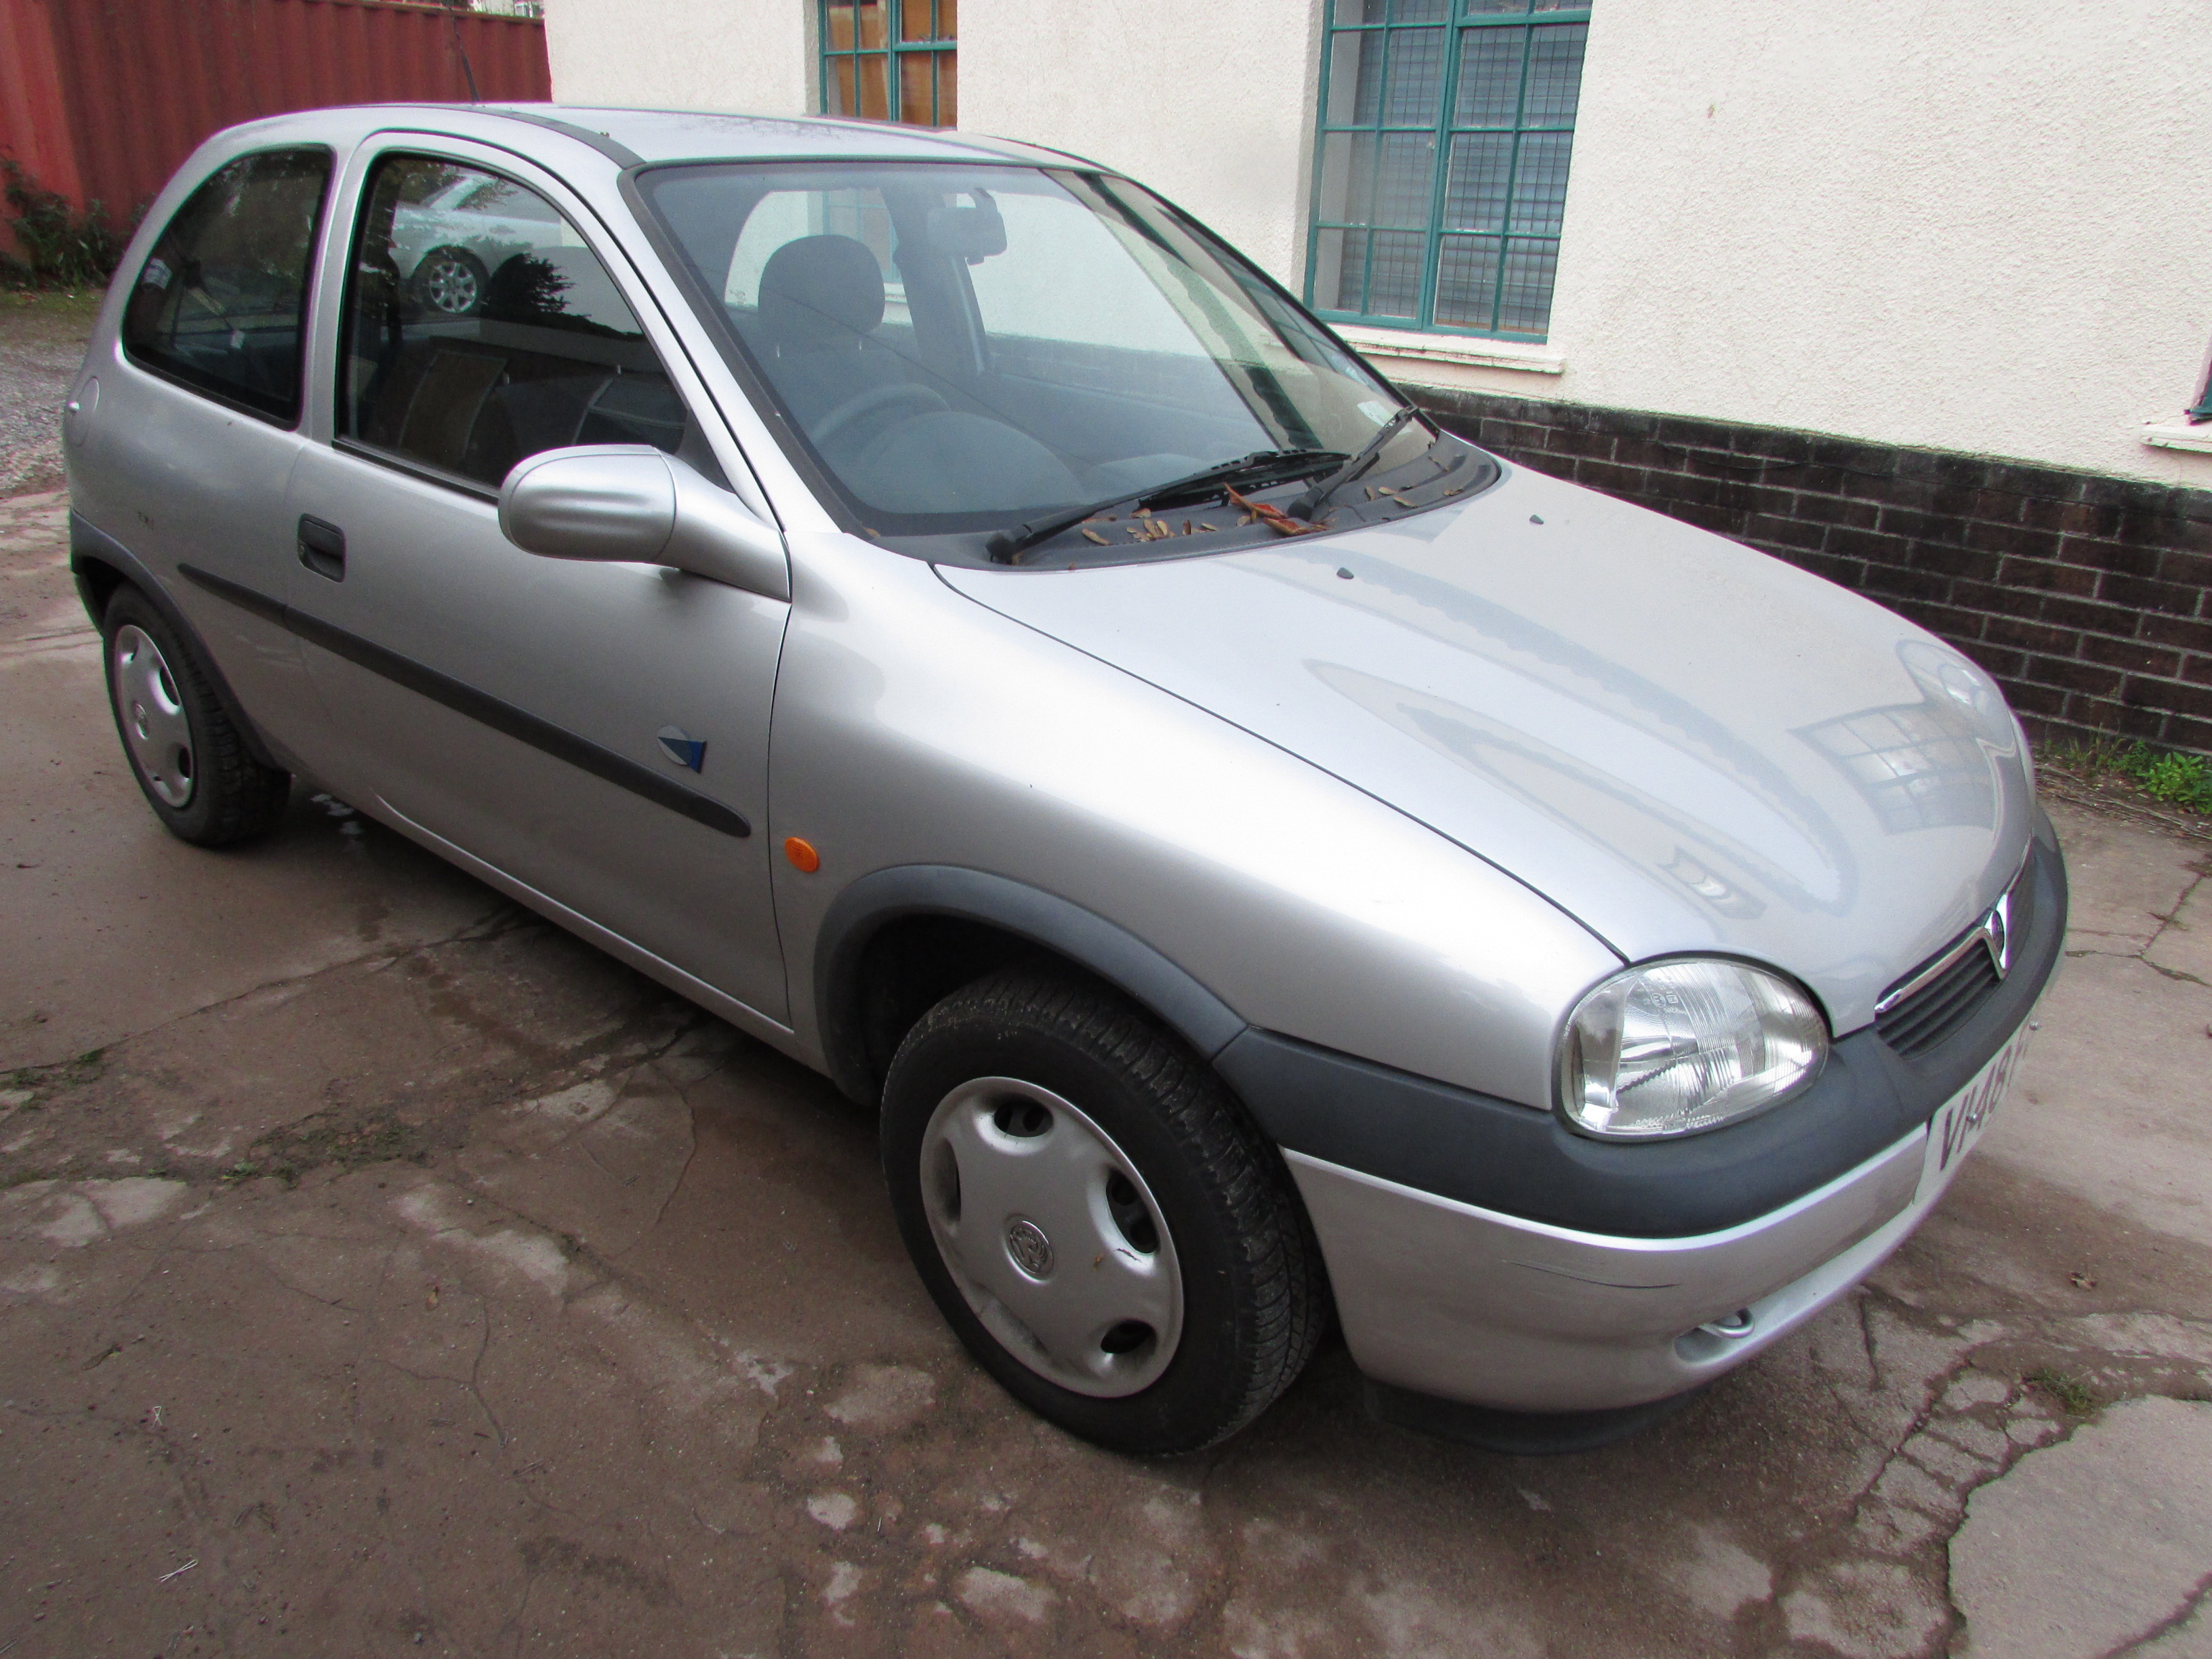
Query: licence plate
{"points": [[1961, 1120]]}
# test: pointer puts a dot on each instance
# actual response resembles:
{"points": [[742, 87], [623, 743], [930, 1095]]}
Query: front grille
{"points": [[1920, 1022], [1929, 1005]]}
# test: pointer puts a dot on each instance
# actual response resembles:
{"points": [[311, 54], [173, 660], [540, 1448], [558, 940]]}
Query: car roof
{"points": [[673, 135]]}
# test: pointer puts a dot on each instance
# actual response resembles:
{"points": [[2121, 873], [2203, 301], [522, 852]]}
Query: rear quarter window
{"points": [[221, 303]]}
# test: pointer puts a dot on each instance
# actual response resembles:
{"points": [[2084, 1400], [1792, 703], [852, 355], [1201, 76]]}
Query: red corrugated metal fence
{"points": [[100, 99]]}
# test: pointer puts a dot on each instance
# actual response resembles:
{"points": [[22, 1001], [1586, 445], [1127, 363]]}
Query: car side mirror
{"points": [[630, 503]]}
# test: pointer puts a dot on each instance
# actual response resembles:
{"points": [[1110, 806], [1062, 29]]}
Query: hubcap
{"points": [[1052, 1235], [154, 722], [451, 282]]}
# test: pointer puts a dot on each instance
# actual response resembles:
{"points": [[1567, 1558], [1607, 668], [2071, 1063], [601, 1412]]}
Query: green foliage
{"points": [[61, 246], [2182, 779], [2178, 780]]}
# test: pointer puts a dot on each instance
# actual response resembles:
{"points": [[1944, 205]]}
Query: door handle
{"points": [[322, 547]]}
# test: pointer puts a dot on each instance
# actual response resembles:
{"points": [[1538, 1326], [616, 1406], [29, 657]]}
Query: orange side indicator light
{"points": [[801, 855]]}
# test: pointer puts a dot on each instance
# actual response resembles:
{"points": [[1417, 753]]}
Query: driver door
{"points": [[595, 735]]}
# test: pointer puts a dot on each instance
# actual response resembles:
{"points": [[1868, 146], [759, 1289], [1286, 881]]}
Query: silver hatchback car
{"points": [[929, 602]]}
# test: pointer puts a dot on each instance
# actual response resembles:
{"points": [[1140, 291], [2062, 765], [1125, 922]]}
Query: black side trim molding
{"points": [[1501, 1156], [237, 594], [1105, 948], [481, 706]]}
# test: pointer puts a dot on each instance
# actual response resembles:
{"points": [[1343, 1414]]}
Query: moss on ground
{"points": [[328, 1139], [2070, 1394], [43, 1082]]}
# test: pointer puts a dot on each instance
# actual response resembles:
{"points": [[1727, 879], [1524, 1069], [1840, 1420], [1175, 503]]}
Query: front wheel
{"points": [[1097, 1220]]}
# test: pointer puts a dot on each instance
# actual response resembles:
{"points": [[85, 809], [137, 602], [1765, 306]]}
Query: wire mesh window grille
{"points": [[1441, 169], [890, 60]]}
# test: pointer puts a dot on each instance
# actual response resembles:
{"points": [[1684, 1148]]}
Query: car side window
{"points": [[479, 330], [221, 304]]}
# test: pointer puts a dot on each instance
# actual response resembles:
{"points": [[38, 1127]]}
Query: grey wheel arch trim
{"points": [[91, 546], [1084, 937]]}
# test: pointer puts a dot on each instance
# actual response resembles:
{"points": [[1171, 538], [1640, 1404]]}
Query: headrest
{"points": [[821, 291]]}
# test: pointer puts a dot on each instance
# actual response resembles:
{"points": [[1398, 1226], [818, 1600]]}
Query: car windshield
{"points": [[967, 354]]}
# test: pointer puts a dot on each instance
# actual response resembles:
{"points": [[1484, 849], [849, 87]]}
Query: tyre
{"points": [[451, 281], [189, 757], [1096, 1216]]}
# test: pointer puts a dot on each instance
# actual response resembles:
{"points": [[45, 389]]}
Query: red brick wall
{"points": [[2088, 597]]}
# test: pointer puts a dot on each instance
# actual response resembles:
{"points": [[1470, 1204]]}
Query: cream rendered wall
{"points": [[1984, 227], [1210, 103], [752, 54]]}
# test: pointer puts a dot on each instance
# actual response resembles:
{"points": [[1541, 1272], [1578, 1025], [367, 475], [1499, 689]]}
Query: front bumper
{"points": [[1464, 1304], [1481, 1254]]}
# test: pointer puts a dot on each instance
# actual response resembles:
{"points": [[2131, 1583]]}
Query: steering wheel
{"points": [[875, 399]]}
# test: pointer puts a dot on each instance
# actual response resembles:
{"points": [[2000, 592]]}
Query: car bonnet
{"points": [[1687, 744]]}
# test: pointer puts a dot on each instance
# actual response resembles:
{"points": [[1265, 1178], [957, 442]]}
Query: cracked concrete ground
{"points": [[383, 1270]]}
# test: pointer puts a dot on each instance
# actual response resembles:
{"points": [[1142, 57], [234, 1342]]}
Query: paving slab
{"points": [[2085, 1547], [2184, 945], [2188, 1639], [2102, 1108], [2126, 878]]}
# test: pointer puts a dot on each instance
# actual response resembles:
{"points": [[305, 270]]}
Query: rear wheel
{"points": [[187, 754], [1096, 1217]]}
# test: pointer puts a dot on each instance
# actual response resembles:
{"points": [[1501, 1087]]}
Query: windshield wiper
{"points": [[1266, 464], [1310, 503]]}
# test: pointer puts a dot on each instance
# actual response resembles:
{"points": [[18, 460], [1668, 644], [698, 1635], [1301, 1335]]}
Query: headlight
{"points": [[1678, 1047]]}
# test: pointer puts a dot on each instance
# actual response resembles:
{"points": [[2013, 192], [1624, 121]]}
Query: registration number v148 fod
{"points": [[1961, 1120]]}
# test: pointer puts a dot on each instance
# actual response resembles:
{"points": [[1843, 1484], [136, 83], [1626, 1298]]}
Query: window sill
{"points": [[2178, 435], [1524, 356]]}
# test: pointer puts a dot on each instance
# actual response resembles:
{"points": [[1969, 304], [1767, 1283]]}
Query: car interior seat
{"points": [[821, 302]]}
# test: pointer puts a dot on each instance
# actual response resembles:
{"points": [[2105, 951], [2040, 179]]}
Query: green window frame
{"points": [[1442, 145], [890, 60]]}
